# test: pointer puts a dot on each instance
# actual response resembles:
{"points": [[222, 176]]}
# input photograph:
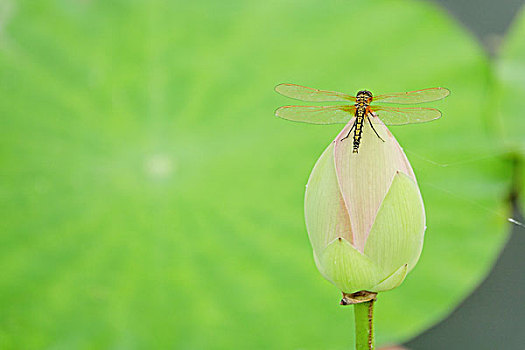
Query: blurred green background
{"points": [[150, 199]]}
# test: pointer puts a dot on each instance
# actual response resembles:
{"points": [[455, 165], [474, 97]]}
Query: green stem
{"points": [[364, 322]]}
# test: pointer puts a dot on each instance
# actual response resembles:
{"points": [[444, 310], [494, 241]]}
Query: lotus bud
{"points": [[364, 213]]}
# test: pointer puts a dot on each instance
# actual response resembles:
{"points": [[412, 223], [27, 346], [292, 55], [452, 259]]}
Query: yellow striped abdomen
{"points": [[360, 114]]}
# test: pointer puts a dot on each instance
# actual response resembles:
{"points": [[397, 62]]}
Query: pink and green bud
{"points": [[364, 213]]}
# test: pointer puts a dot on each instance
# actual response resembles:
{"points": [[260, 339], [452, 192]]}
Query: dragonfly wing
{"points": [[401, 116], [414, 97], [304, 93], [317, 114]]}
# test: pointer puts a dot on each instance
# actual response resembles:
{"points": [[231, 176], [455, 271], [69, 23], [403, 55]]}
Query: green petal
{"points": [[347, 268], [325, 210], [392, 281], [396, 237]]}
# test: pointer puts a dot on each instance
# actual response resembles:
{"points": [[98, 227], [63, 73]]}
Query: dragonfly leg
{"points": [[352, 128], [375, 129]]}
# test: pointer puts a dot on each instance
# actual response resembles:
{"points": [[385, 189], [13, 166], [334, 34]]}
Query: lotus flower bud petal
{"points": [[396, 237], [392, 281], [326, 214], [365, 178], [348, 268]]}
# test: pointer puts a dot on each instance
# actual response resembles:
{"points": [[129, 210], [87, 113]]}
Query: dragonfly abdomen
{"points": [[359, 121]]}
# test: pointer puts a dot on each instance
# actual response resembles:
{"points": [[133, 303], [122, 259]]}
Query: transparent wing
{"points": [[317, 114], [401, 116], [414, 97], [304, 93]]}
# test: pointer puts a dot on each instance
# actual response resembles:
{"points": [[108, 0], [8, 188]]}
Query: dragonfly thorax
{"points": [[364, 97]]}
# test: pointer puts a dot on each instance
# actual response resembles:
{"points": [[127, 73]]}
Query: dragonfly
{"points": [[360, 108]]}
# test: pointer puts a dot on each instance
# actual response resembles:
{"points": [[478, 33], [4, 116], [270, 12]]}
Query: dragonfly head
{"points": [[364, 96]]}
